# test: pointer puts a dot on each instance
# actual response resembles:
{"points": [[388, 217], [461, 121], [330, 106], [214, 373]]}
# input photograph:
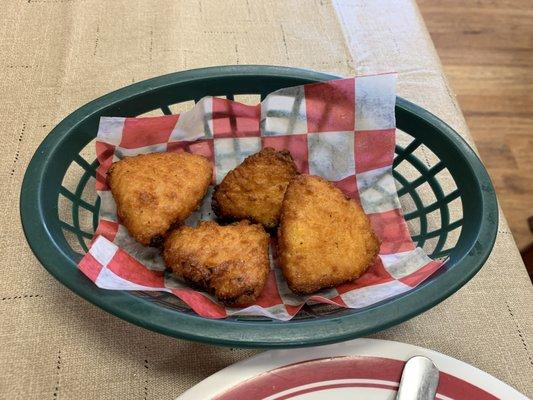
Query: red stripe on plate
{"points": [[327, 369], [456, 388], [335, 386], [314, 371]]}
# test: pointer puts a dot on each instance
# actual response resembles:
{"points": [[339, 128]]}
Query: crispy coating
{"points": [[324, 238], [255, 189], [156, 191], [229, 261]]}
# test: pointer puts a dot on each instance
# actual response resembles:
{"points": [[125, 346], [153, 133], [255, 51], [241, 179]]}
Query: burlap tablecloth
{"points": [[59, 54]]}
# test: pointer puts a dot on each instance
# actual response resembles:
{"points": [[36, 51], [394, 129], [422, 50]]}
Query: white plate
{"points": [[359, 369]]}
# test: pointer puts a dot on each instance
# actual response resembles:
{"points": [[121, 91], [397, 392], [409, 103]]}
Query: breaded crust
{"points": [[155, 191], [229, 261], [254, 190], [324, 239]]}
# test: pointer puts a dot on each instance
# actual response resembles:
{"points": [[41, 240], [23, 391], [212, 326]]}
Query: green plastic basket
{"points": [[458, 219]]}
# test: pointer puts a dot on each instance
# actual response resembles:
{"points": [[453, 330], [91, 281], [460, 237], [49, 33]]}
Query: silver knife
{"points": [[420, 378]]}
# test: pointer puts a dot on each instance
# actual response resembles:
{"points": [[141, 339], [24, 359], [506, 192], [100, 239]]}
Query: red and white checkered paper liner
{"points": [[342, 130]]}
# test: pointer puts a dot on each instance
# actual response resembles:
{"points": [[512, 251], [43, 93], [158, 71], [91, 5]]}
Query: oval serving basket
{"points": [[447, 197]]}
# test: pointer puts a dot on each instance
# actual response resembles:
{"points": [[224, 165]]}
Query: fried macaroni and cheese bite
{"points": [[324, 239], [156, 191], [229, 261], [255, 189]]}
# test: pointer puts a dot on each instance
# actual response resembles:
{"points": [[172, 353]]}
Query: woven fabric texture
{"points": [[59, 54]]}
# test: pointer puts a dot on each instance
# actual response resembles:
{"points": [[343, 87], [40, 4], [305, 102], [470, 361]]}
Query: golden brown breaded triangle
{"points": [[324, 238], [229, 261], [155, 191], [254, 190]]}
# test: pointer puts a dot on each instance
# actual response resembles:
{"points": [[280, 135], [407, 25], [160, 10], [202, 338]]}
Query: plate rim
{"points": [[254, 334], [241, 371]]}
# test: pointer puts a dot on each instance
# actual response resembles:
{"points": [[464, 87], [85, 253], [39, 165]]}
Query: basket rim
{"points": [[254, 334]]}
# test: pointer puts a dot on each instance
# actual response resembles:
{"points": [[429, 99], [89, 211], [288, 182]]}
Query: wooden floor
{"points": [[486, 48]]}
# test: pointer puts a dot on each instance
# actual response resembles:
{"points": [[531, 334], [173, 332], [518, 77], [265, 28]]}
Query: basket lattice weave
{"points": [[59, 205]]}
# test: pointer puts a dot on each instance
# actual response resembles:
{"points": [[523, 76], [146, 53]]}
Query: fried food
{"points": [[156, 191], [254, 190], [324, 239], [229, 261]]}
